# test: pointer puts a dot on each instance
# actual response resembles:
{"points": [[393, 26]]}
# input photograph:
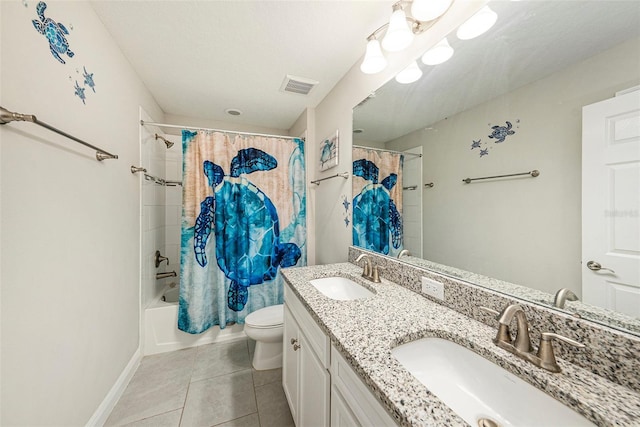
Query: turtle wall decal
{"points": [[501, 132], [54, 32], [375, 215], [245, 224]]}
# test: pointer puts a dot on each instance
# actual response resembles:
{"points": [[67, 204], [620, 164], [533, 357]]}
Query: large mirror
{"points": [[511, 102]]}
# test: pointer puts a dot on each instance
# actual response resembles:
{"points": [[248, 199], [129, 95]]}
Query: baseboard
{"points": [[104, 410]]}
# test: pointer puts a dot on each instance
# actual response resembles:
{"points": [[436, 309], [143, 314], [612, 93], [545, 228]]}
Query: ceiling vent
{"points": [[298, 85]]}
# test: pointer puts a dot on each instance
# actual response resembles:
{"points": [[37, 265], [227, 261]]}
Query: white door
{"points": [[611, 204], [412, 202]]}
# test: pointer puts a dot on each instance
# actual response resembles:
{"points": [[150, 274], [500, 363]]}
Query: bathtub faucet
{"points": [[165, 275], [160, 258]]}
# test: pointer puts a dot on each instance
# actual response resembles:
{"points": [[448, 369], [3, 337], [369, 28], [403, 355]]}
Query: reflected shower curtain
{"points": [[243, 217], [377, 200]]}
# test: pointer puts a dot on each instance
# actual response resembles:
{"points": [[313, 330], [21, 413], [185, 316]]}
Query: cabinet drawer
{"points": [[362, 403], [317, 339]]}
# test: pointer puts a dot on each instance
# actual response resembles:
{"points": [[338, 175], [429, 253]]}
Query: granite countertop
{"points": [[365, 331]]}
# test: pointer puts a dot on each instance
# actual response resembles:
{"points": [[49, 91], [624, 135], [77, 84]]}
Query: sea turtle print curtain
{"points": [[377, 200], [243, 218]]}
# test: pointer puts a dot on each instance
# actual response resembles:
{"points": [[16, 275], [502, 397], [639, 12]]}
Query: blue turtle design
{"points": [[88, 79], [501, 132], [247, 233], [375, 214], [328, 148], [79, 92], [54, 32]]}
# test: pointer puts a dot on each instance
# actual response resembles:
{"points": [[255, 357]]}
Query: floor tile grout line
{"points": [[237, 418], [186, 395]]}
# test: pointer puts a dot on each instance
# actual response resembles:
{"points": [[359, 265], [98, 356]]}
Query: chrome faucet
{"points": [[366, 269], [562, 296], [521, 345], [404, 252], [522, 342], [369, 271]]}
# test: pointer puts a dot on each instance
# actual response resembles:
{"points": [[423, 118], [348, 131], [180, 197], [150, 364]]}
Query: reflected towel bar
{"points": [[7, 116], [344, 175], [533, 173]]}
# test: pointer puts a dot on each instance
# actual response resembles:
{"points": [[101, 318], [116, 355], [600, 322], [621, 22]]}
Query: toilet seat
{"points": [[267, 317]]}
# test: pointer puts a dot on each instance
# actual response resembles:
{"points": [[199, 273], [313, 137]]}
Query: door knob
{"points": [[595, 266]]}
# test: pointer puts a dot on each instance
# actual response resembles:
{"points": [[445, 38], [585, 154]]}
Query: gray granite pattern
{"points": [[609, 353], [590, 312], [365, 331]]}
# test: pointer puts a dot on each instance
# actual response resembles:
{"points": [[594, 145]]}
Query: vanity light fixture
{"points": [[374, 60], [410, 74], [398, 36], [428, 10], [438, 54], [478, 24], [400, 31]]}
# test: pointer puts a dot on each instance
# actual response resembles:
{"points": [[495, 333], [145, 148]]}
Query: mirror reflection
{"points": [[550, 89]]}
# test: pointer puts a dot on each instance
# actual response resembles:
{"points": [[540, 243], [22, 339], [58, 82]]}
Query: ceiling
{"points": [[199, 58], [531, 40]]}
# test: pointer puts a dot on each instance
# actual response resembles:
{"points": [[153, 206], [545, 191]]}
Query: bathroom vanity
{"points": [[339, 367], [320, 386]]}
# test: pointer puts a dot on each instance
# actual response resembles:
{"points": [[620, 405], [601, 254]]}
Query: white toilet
{"points": [[265, 327]]}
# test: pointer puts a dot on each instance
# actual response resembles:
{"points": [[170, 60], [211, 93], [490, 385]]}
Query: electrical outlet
{"points": [[433, 288]]}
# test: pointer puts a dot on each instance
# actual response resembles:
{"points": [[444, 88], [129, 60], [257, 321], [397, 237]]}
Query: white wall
{"points": [[526, 231], [217, 124], [70, 227], [336, 112]]}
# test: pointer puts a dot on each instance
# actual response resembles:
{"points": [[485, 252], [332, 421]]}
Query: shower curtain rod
{"points": [[388, 151], [164, 125]]}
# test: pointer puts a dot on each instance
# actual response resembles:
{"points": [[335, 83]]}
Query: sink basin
{"points": [[476, 388], [341, 288]]}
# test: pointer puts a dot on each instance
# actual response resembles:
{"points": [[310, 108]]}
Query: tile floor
{"points": [[211, 385]]}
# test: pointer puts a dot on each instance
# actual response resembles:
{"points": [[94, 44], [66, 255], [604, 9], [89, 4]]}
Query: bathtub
{"points": [[161, 333]]}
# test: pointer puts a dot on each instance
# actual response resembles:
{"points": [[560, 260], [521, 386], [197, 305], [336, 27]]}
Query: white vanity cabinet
{"points": [[352, 404], [320, 386], [305, 374]]}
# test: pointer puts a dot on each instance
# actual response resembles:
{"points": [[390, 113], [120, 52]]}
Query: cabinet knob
{"points": [[293, 341], [296, 347]]}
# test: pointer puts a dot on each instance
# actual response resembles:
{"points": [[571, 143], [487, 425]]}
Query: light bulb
{"points": [[374, 61], [428, 10], [398, 35], [409, 74], [478, 24], [438, 54]]}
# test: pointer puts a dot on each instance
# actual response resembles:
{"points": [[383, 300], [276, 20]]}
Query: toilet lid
{"points": [[266, 317]]}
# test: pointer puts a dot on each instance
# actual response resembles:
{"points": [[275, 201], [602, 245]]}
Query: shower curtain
{"points": [[243, 218], [377, 200]]}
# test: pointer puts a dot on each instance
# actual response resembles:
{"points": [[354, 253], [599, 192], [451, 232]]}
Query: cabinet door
{"points": [[314, 388], [341, 415], [290, 359]]}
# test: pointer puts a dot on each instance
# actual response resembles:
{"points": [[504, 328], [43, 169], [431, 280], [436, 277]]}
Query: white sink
{"points": [[341, 288], [476, 388]]}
